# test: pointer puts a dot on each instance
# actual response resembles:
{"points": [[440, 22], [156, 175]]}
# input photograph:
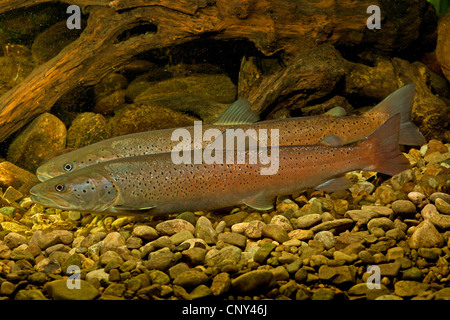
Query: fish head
{"points": [[72, 161], [82, 190]]}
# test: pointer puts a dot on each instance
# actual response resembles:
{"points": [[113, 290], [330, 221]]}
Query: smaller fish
{"points": [[154, 185], [292, 131]]}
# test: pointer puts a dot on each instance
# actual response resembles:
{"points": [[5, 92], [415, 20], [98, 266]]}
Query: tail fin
{"points": [[383, 148], [401, 101]]}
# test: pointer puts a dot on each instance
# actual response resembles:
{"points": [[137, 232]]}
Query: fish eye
{"points": [[59, 187], [68, 167]]}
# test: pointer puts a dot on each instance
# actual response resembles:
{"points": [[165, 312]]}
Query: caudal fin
{"points": [[383, 148], [401, 101]]}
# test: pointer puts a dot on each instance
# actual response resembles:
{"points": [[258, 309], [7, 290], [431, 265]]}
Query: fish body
{"points": [[154, 184], [291, 131]]}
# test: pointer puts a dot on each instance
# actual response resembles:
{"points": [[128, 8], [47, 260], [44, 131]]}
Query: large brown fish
{"points": [[292, 131], [155, 185]]}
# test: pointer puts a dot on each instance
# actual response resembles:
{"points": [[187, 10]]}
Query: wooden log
{"points": [[289, 28]]}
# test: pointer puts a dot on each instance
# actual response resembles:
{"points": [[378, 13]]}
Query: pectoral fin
{"points": [[336, 112], [335, 184], [259, 202]]}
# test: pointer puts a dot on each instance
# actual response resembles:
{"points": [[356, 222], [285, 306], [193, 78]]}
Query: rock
{"points": [[50, 42], [254, 229], [406, 288], [110, 93], [441, 195], [200, 291], [443, 45], [429, 212], [282, 221], [181, 236], [381, 223], [385, 194], [215, 257], [205, 95], [14, 239], [31, 294], [204, 230], [413, 273], [234, 239], [264, 252], [252, 281], [327, 238], [113, 241], [307, 221], [362, 186], [426, 236], [280, 273], [429, 253], [114, 289], [181, 293], [188, 216], [170, 227], [20, 254], [404, 208], [97, 276], [221, 284], [275, 232], [389, 269], [111, 257], [235, 218], [158, 277], [190, 278], [443, 294], [59, 290], [301, 235], [442, 206], [87, 128], [44, 135], [195, 256], [7, 288], [361, 216], [417, 198], [287, 257], [334, 224], [161, 260], [54, 237], [323, 294], [134, 118], [361, 289]]}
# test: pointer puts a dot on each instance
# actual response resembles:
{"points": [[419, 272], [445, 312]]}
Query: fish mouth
{"points": [[42, 176], [63, 204]]}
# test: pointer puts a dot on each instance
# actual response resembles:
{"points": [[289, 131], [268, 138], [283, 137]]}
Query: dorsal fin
{"points": [[238, 113], [332, 141]]}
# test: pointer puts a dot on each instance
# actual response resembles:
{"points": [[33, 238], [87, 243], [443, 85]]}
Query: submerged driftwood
{"points": [[118, 30]]}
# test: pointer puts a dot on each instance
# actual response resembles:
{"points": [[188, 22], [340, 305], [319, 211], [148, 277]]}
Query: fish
{"points": [[292, 131], [154, 185]]}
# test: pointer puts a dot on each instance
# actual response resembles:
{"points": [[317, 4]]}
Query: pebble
{"points": [[264, 252], [327, 238], [59, 290], [275, 232], [307, 221], [215, 257], [252, 281], [145, 232], [442, 206], [170, 227], [31, 294], [328, 225], [254, 229], [426, 236], [407, 288], [404, 208], [234, 239], [190, 278], [204, 230], [221, 284]]}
